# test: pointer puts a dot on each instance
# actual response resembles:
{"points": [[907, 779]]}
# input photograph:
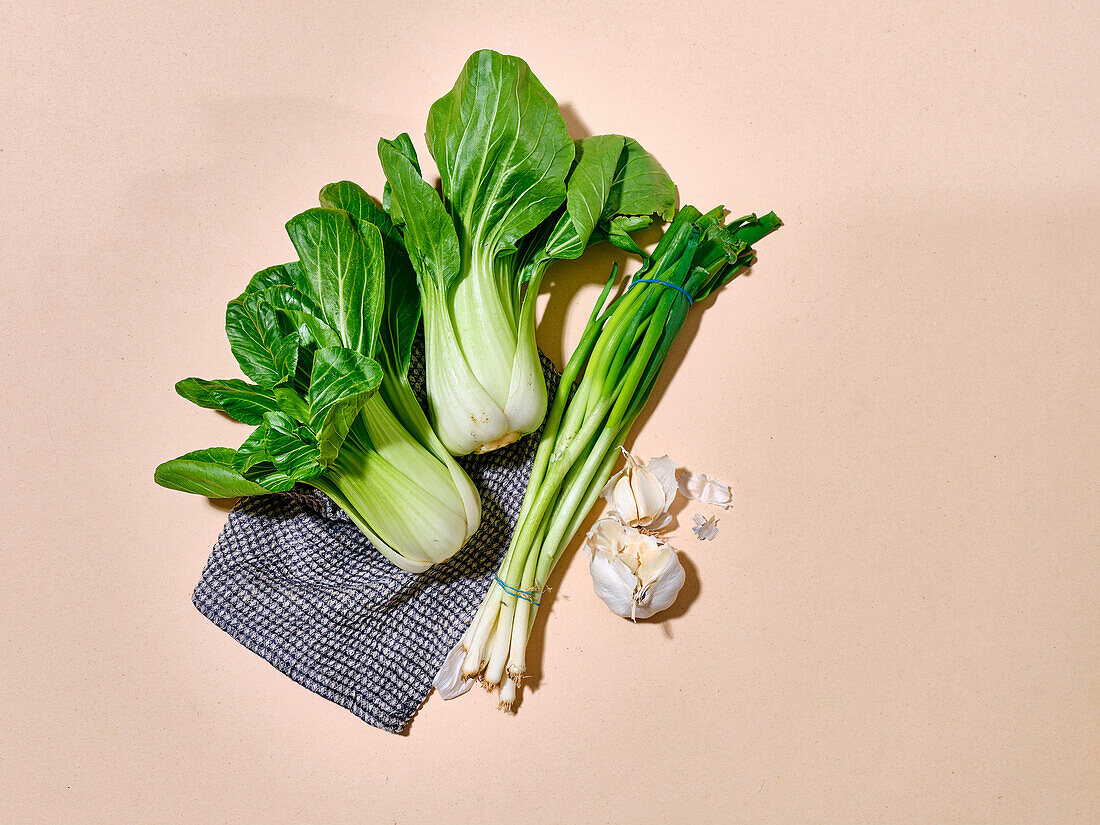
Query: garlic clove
{"points": [[630, 559], [608, 491], [662, 591], [639, 494], [637, 547], [663, 470], [647, 494], [700, 487], [605, 493], [605, 536], [613, 583], [448, 682], [651, 565]]}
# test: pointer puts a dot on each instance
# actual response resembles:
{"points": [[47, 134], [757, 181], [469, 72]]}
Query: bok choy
{"points": [[326, 341], [515, 194], [612, 372]]}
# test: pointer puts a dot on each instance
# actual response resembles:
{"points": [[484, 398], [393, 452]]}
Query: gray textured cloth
{"points": [[294, 581]]}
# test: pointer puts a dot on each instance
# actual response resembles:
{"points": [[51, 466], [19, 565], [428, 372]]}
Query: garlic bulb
{"points": [[634, 574], [700, 487], [640, 494]]}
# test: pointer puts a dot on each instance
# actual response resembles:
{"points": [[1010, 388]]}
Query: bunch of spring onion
{"points": [[613, 369]]}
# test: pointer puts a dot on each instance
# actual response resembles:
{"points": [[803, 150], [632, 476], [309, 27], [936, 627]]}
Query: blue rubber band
{"points": [[679, 289], [522, 594]]}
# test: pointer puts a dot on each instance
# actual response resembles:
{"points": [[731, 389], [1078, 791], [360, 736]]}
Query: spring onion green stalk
{"points": [[327, 340], [613, 369], [515, 194]]}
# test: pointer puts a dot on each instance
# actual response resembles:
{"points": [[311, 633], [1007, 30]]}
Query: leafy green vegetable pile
{"points": [[326, 341]]}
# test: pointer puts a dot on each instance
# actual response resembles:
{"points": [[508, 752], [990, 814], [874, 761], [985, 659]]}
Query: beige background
{"points": [[898, 622]]}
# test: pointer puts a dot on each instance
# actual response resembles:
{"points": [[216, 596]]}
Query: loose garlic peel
{"points": [[706, 527], [635, 575], [449, 681], [701, 487]]}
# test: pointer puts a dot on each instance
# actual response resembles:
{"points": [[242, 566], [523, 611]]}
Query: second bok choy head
{"points": [[516, 193], [327, 340]]}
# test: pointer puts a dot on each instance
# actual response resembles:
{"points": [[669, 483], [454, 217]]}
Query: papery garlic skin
{"points": [[635, 575], [700, 487], [706, 527], [640, 494], [613, 583], [663, 589], [449, 682]]}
